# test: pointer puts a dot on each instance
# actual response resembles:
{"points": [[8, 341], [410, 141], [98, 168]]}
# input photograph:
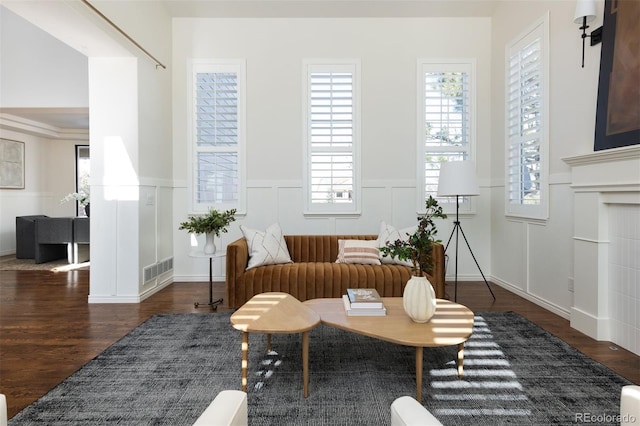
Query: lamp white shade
{"points": [[585, 8], [458, 178]]}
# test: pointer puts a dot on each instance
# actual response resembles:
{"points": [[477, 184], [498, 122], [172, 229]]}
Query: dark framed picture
{"points": [[11, 164], [618, 109]]}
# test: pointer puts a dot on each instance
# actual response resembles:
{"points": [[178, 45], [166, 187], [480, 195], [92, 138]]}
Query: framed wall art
{"points": [[11, 164], [618, 110]]}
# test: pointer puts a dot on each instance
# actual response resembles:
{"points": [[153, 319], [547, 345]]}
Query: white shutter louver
{"points": [[524, 112], [446, 121], [331, 137], [216, 138], [526, 123]]}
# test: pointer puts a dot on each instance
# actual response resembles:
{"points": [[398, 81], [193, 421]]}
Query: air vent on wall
{"points": [[152, 271]]}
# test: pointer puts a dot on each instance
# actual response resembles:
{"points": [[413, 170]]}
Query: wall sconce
{"points": [[586, 12]]}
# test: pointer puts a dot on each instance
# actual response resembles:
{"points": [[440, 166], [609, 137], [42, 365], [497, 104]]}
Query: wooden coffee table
{"points": [[452, 324], [275, 313]]}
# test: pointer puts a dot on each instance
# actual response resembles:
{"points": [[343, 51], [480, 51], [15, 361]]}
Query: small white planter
{"points": [[209, 245]]}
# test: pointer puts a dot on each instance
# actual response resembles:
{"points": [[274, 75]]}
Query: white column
{"points": [[113, 103]]}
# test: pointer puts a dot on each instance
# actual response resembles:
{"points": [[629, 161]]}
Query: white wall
{"points": [[535, 258], [274, 50], [37, 70]]}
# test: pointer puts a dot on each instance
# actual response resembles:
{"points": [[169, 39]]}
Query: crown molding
{"points": [[36, 128]]}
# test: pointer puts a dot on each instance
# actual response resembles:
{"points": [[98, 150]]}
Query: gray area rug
{"points": [[168, 370], [10, 263]]}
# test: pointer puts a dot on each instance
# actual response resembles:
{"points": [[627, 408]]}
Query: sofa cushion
{"points": [[266, 248], [311, 280], [389, 234], [365, 252]]}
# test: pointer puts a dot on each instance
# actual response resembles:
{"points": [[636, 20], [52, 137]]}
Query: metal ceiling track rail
{"points": [[121, 31]]}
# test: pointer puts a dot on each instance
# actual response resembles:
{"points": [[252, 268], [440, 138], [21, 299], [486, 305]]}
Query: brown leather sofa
{"points": [[314, 273]]}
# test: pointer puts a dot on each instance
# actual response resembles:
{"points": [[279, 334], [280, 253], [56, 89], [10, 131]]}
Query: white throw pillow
{"points": [[389, 234], [358, 251], [266, 248]]}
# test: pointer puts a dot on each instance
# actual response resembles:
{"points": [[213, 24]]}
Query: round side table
{"points": [[213, 303]]}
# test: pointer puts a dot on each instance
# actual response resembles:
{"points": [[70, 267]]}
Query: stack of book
{"points": [[363, 302]]}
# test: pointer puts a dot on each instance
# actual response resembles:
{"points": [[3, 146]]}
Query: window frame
{"points": [[467, 206], [540, 211], [196, 66], [83, 183], [331, 65]]}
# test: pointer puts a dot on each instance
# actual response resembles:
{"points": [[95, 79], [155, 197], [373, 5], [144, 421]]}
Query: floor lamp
{"points": [[458, 179]]}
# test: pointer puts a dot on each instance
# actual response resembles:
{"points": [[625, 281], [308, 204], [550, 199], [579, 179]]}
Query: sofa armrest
{"points": [[228, 408], [81, 230], [237, 261], [629, 405], [3, 410], [26, 236], [406, 411], [54, 239]]}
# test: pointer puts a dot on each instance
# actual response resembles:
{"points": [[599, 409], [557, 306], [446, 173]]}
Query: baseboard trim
{"points": [[131, 299], [592, 326], [197, 278], [564, 313], [114, 299]]}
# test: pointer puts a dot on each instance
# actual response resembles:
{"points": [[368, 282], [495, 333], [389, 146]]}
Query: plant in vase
{"points": [[211, 224], [80, 197], [418, 298]]}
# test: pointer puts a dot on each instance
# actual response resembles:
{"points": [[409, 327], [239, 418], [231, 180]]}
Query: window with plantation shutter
{"points": [[526, 107], [217, 135], [446, 128], [331, 117]]}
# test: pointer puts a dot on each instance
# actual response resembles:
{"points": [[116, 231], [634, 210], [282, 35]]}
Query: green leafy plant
{"points": [[417, 247], [214, 221]]}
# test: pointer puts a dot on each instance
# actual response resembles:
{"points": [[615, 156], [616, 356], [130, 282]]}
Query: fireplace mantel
{"points": [[606, 156], [604, 171], [600, 180]]}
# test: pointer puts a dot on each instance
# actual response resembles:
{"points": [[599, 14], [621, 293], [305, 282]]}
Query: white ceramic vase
{"points": [[209, 245], [419, 299]]}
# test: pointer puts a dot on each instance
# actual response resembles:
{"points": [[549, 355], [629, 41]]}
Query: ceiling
{"points": [[59, 118], [78, 118], [329, 8]]}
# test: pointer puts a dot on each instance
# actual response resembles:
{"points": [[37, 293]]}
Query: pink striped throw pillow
{"points": [[358, 251]]}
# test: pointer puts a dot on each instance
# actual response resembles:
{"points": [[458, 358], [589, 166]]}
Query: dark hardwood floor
{"points": [[48, 330]]}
